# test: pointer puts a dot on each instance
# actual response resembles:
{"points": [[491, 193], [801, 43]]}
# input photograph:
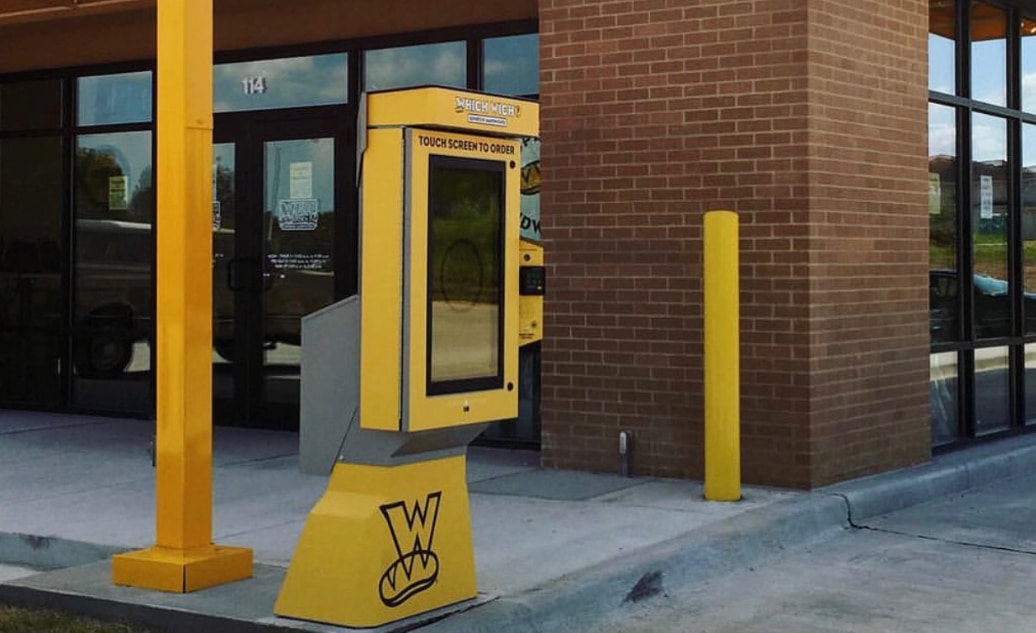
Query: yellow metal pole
{"points": [[184, 557], [722, 358]]}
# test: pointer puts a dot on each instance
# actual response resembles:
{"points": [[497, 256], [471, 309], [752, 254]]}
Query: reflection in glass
{"points": [[990, 220], [31, 293], [112, 99], [992, 390], [943, 387], [1030, 383], [1029, 225], [942, 30], [465, 280], [281, 83], [1028, 33], [113, 303], [944, 308], [530, 189], [298, 226], [988, 53], [511, 65], [442, 64], [223, 227], [30, 105]]}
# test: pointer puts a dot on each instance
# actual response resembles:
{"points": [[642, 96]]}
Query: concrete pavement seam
{"points": [[937, 539]]}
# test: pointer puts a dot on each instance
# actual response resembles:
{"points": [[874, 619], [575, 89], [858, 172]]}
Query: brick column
{"points": [[654, 112]]}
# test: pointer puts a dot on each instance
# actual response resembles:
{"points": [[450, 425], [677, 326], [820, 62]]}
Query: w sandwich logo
{"points": [[417, 567]]}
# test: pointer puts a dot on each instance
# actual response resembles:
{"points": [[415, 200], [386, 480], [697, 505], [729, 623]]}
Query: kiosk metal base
{"points": [[181, 571], [384, 543]]}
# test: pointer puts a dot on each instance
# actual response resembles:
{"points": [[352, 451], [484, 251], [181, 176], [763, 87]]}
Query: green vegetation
{"points": [[990, 259], [18, 620]]}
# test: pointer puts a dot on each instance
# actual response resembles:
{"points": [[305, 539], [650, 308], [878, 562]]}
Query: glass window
{"points": [[989, 220], [30, 105], [943, 387], [943, 282], [992, 390], [988, 54], [530, 187], [942, 59], [281, 83], [1029, 224], [224, 223], [113, 303], [511, 65], [1028, 31], [31, 291], [428, 64], [299, 220], [465, 279], [1030, 383], [114, 99]]}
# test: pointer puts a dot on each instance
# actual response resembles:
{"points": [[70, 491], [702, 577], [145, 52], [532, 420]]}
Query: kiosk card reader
{"points": [[398, 380]]}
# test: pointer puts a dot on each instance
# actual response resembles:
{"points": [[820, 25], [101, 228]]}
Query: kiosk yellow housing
{"points": [[398, 380]]}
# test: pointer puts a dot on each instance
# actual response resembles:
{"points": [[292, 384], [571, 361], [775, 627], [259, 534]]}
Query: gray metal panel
{"points": [[392, 448], [330, 389]]}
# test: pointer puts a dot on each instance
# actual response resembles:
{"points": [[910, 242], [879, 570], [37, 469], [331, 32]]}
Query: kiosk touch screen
{"points": [[465, 275]]}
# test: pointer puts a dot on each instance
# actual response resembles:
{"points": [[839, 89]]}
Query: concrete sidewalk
{"points": [[554, 550]]}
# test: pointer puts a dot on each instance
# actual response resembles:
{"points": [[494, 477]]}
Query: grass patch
{"points": [[19, 620]]}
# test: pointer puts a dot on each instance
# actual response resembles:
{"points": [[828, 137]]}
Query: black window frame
{"points": [[966, 343]]}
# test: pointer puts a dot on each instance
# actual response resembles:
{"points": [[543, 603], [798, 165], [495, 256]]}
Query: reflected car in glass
{"points": [[991, 301], [114, 297]]}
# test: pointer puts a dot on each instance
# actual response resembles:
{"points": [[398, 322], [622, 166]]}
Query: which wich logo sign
{"points": [[412, 529], [487, 111]]}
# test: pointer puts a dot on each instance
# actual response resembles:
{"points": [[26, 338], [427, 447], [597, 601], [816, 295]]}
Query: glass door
{"points": [[224, 187], [298, 258], [278, 222]]}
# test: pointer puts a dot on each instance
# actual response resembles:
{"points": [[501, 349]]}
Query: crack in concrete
{"points": [[999, 548], [848, 508]]}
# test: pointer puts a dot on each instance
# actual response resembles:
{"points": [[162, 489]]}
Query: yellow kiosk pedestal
{"points": [[403, 376], [384, 543]]}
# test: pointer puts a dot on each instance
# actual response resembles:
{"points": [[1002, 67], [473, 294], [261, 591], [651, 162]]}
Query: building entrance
{"points": [[281, 219]]}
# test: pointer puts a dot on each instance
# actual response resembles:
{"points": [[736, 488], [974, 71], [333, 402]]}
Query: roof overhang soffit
{"points": [[22, 11]]}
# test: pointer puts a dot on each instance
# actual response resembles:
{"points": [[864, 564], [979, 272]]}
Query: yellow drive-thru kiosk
{"points": [[398, 380]]}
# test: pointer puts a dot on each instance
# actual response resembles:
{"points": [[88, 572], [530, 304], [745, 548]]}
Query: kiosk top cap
{"points": [[452, 109]]}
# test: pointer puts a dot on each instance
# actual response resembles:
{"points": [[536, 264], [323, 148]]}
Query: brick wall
{"points": [[869, 259], [654, 111]]}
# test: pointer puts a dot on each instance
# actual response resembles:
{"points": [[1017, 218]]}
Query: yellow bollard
{"points": [[722, 358], [184, 558]]}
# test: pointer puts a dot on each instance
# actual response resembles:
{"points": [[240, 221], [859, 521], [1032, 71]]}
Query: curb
{"points": [[579, 601], [51, 552], [946, 474], [601, 593], [154, 617]]}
